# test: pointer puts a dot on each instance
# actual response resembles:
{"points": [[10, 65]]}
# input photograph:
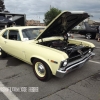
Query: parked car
{"points": [[87, 30], [50, 52]]}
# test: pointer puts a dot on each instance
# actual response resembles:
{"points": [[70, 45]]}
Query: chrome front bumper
{"points": [[73, 65]]}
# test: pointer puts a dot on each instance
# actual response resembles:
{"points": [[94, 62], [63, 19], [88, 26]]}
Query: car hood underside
{"points": [[63, 23]]}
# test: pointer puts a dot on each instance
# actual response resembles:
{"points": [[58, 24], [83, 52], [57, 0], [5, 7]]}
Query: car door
{"points": [[14, 44]]}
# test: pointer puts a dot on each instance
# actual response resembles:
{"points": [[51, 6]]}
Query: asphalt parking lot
{"points": [[81, 84]]}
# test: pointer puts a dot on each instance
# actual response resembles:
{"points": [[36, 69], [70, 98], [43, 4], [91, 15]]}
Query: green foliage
{"points": [[50, 15]]}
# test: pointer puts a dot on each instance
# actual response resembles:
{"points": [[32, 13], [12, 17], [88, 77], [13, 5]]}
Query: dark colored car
{"points": [[87, 30]]}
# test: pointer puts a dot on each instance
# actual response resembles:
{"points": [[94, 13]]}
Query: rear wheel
{"points": [[3, 54], [88, 36], [41, 70]]}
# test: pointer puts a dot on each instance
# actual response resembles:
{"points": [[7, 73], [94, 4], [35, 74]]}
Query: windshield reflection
{"points": [[31, 33]]}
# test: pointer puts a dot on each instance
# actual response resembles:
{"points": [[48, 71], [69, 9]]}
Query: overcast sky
{"points": [[35, 9]]}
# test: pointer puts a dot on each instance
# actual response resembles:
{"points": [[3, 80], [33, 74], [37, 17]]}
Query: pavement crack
{"points": [[60, 97], [88, 82], [79, 93], [96, 77], [69, 88], [12, 76]]}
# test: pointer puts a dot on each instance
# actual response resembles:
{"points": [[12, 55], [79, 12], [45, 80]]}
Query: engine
{"points": [[60, 45], [72, 50]]}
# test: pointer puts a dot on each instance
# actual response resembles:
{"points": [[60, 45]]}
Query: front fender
{"points": [[48, 60], [46, 54], [81, 42]]}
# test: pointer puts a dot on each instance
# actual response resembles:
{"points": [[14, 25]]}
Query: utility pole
{"points": [[50, 6]]}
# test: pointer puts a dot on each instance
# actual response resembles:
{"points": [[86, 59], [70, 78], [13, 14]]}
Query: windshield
{"points": [[31, 33]]}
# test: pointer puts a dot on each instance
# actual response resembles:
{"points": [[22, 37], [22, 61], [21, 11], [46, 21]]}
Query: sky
{"points": [[35, 9]]}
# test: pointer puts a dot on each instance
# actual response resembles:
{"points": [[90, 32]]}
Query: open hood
{"points": [[63, 23]]}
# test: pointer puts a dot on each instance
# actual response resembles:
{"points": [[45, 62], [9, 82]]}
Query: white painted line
{"points": [[10, 94], [97, 47], [94, 61]]}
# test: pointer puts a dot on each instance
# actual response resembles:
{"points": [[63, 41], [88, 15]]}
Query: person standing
{"points": [[13, 24], [98, 33]]}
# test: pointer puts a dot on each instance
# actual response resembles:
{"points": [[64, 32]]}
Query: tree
{"points": [[50, 15], [2, 6]]}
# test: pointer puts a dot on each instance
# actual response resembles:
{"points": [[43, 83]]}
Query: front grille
{"points": [[77, 54], [85, 50]]}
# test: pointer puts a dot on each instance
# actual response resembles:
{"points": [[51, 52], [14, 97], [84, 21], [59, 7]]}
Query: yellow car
{"points": [[49, 52]]}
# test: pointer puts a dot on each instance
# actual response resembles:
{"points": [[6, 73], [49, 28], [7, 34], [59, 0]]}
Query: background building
{"points": [[34, 23]]}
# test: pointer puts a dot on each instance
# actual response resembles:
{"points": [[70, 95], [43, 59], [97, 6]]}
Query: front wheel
{"points": [[41, 70], [88, 36]]}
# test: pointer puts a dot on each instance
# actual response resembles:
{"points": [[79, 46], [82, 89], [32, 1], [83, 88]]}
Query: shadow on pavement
{"points": [[11, 61]]}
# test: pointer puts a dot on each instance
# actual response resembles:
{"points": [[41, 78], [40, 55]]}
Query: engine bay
{"points": [[72, 50], [62, 45]]}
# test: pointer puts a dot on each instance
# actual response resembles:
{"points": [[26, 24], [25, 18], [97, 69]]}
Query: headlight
{"points": [[64, 63], [89, 50]]}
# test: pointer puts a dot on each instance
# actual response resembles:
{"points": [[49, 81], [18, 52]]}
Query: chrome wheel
{"points": [[40, 69], [88, 36]]}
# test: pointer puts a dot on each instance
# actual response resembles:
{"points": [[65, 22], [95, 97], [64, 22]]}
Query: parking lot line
{"points": [[94, 61], [97, 47], [9, 95]]}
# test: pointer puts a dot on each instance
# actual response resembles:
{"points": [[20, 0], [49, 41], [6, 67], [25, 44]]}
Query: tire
{"points": [[88, 36], [41, 70], [3, 54]]}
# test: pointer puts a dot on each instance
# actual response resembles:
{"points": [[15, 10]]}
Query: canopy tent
{"points": [[9, 18], [4, 20]]}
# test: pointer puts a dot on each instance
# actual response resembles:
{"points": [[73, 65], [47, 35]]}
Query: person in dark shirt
{"points": [[13, 24], [99, 34]]}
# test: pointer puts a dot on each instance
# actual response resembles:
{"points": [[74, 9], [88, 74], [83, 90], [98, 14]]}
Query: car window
{"points": [[14, 35], [83, 26], [31, 33], [5, 34]]}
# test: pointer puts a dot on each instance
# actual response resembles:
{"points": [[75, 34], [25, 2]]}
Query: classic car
{"points": [[50, 52]]}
